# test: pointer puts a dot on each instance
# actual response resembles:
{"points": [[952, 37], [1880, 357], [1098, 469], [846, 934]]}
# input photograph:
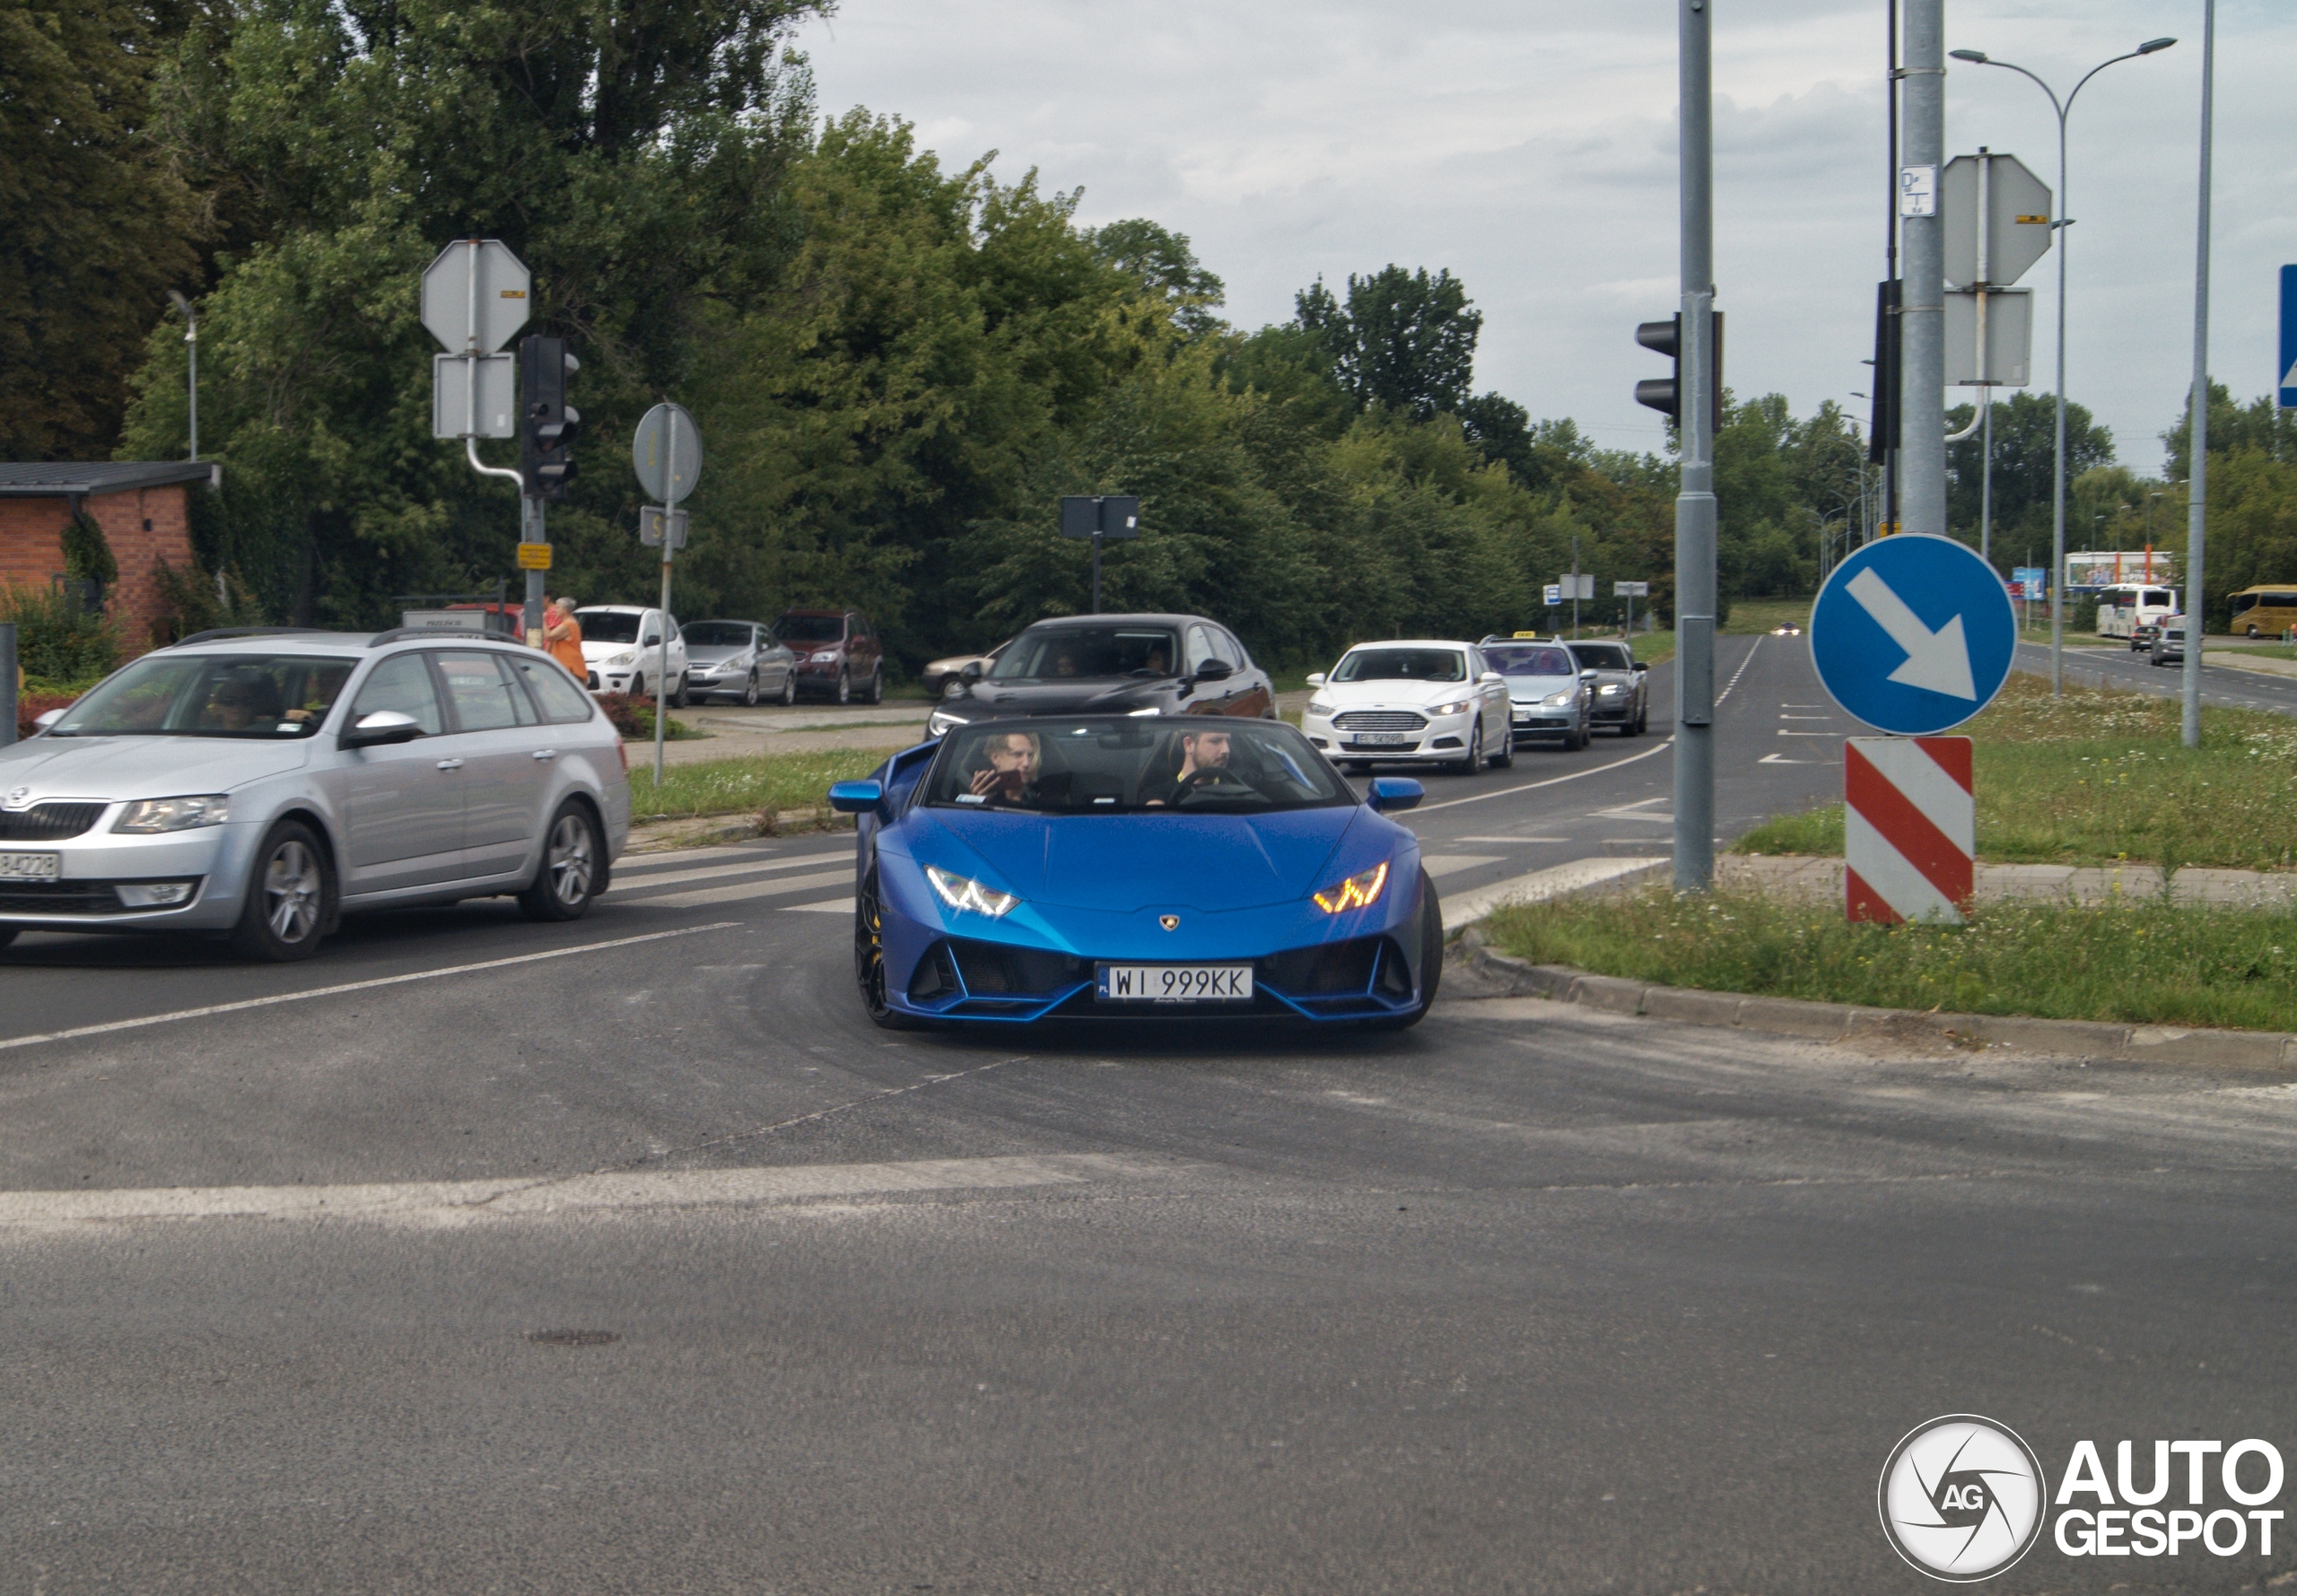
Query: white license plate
{"points": [[1382, 739], [31, 866], [1173, 984]]}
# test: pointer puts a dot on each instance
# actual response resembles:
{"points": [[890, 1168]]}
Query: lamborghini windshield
{"points": [[1125, 766]]}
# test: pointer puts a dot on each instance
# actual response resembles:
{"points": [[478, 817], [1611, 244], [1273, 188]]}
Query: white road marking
{"points": [[727, 871], [1784, 733], [9, 1043], [461, 1201], [745, 889], [1508, 839], [1540, 885], [829, 906], [1451, 864]]}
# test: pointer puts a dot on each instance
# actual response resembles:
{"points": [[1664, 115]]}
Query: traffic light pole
{"points": [[530, 530], [1694, 796], [1922, 390]]}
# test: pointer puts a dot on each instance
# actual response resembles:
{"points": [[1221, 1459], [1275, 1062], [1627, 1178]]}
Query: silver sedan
{"points": [[259, 786]]}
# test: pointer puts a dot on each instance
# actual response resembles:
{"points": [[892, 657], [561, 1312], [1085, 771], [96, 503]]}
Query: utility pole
{"points": [[2198, 469], [191, 339], [1574, 587], [1694, 793], [1921, 391]]}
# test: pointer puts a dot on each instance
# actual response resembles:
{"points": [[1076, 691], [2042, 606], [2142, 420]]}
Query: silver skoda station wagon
{"points": [[258, 783]]}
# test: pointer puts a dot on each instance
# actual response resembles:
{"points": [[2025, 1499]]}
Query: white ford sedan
{"points": [[1419, 700]]}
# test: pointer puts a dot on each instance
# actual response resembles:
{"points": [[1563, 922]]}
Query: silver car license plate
{"points": [[1381, 739], [1173, 984], [31, 866]]}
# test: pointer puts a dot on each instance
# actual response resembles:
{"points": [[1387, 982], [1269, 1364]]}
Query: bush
{"points": [[56, 638], [634, 717]]}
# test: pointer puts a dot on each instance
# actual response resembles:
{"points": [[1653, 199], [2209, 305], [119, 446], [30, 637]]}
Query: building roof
{"points": [[60, 478]]}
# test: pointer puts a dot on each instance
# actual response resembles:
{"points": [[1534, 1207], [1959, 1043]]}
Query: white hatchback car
{"points": [[1411, 699], [258, 783], [622, 643]]}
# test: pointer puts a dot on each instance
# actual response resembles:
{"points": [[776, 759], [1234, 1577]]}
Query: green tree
{"points": [[2025, 456], [1404, 341], [99, 223], [1167, 269]]}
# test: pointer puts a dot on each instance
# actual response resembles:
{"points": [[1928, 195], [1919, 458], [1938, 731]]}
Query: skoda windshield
{"points": [[1059, 653], [268, 697], [1117, 765]]}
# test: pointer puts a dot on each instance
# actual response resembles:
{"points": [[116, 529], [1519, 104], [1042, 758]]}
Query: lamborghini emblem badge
{"points": [[1171, 922]]}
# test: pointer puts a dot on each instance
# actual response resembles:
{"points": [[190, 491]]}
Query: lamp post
{"points": [[2198, 413], [2057, 494], [191, 317]]}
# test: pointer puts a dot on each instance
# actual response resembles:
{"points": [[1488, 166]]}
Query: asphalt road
{"points": [[2224, 686], [644, 1263]]}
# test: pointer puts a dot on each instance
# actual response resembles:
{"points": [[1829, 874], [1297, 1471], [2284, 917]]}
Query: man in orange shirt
{"points": [[562, 635]]}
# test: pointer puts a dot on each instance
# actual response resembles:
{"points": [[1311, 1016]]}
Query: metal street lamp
{"points": [[2058, 516], [191, 316]]}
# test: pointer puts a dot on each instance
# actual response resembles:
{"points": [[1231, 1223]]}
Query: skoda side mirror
{"points": [[382, 727], [42, 722]]}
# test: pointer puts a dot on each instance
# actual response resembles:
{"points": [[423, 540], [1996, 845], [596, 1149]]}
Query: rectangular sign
{"points": [[534, 556], [1909, 829], [1110, 515], [452, 380], [2008, 354], [2288, 366], [31, 866], [1584, 584], [1918, 191], [1631, 589], [1554, 593], [650, 527]]}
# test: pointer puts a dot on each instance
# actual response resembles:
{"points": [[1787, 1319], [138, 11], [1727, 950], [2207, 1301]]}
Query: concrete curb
{"points": [[1838, 1022], [662, 836]]}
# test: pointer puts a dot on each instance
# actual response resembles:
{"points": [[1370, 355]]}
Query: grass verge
{"points": [[2139, 961], [2100, 776], [766, 784]]}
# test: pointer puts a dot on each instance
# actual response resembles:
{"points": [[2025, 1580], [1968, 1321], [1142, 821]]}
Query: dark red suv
{"points": [[839, 657]]}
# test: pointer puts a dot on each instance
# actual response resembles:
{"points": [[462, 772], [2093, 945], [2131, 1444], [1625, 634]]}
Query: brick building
{"points": [[141, 509]]}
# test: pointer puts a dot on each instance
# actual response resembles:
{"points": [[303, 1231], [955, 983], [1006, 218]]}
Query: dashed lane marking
{"points": [[741, 890], [829, 906]]}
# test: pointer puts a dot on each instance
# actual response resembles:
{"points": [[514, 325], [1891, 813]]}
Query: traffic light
{"points": [[1664, 394], [547, 425]]}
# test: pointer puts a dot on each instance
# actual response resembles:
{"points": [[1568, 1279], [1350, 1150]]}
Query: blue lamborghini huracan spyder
{"points": [[1124, 866]]}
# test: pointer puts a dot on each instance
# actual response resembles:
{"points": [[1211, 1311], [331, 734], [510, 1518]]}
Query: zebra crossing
{"points": [[774, 875]]}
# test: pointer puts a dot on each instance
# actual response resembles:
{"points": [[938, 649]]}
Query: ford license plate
{"points": [[31, 866], [1173, 984], [1382, 739]]}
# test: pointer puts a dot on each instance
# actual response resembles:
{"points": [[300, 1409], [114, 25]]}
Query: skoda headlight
{"points": [[1557, 700], [1459, 708], [960, 891], [1359, 891], [627, 657], [1319, 707], [175, 814]]}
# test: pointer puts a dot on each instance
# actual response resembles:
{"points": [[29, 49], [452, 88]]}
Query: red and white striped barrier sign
{"points": [[1910, 827]]}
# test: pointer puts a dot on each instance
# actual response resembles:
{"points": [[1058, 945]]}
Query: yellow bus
{"points": [[2266, 610]]}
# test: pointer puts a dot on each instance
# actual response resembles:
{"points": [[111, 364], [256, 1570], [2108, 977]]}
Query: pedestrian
{"points": [[562, 634]]}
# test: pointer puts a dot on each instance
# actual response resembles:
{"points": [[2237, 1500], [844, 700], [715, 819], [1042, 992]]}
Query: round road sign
{"points": [[1913, 634], [668, 453]]}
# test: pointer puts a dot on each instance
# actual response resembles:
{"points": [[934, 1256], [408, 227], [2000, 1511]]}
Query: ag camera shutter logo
{"points": [[1962, 1498]]}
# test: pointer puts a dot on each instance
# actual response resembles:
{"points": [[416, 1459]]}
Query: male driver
{"points": [[1012, 773], [1202, 752]]}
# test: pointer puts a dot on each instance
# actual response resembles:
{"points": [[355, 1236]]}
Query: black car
{"points": [[1125, 665]]}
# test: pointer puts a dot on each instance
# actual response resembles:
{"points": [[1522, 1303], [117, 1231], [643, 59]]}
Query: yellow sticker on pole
{"points": [[534, 556]]}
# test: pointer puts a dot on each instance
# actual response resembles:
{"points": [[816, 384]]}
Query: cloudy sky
{"points": [[1529, 145]]}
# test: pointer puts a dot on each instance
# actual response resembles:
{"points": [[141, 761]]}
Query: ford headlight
{"points": [[961, 891], [1319, 707], [1359, 891], [175, 814], [1460, 707], [627, 657], [1557, 700]]}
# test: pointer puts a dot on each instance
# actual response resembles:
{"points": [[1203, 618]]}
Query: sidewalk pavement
{"points": [[1820, 880]]}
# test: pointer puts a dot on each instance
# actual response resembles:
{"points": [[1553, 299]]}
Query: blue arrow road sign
{"points": [[1913, 634], [2288, 366]]}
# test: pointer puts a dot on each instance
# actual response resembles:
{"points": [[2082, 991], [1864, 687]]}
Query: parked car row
{"points": [[829, 653]]}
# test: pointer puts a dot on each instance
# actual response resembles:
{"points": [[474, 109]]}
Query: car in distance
{"points": [[2168, 646], [1136, 867], [1621, 686], [737, 659], [1551, 692], [839, 655], [1126, 665], [1410, 699], [936, 675], [622, 644], [259, 783]]}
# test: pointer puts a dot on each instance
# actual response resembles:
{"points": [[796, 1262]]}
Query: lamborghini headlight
{"points": [[960, 891], [1359, 891]]}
